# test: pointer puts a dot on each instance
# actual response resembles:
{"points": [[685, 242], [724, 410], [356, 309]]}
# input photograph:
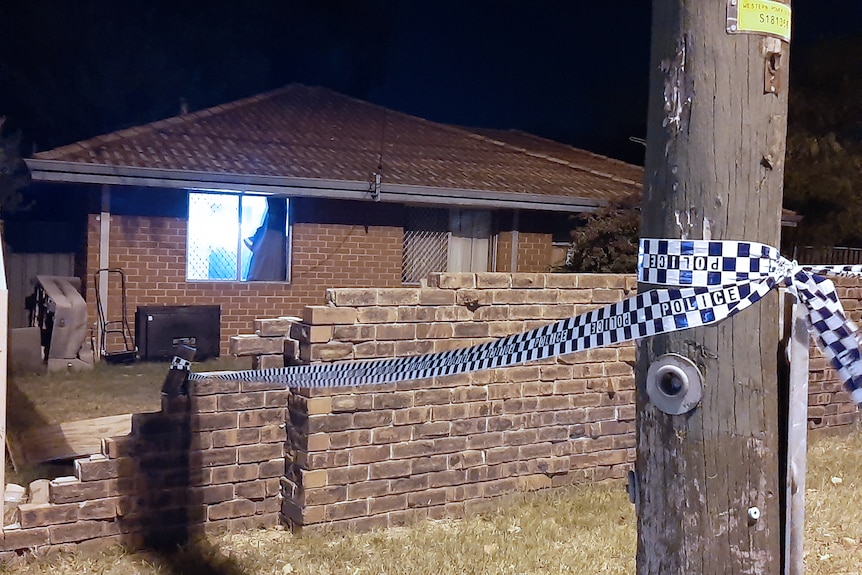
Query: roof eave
{"points": [[57, 171]]}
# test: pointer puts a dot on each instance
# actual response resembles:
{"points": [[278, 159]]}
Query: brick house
{"points": [[260, 204]]}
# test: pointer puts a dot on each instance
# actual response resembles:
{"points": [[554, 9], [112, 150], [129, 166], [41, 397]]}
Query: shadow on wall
{"points": [[168, 502], [163, 503]]}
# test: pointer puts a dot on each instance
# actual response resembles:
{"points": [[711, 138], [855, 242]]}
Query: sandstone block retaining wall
{"points": [[383, 455], [239, 454]]}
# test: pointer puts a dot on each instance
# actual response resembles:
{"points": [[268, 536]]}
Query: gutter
{"points": [[76, 172]]}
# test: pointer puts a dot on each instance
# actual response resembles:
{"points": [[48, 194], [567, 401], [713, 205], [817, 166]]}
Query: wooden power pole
{"points": [[707, 481]]}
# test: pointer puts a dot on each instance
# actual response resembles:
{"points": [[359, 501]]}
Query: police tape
{"points": [[712, 280]]}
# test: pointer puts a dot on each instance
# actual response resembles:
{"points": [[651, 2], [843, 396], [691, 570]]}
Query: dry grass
{"points": [[555, 532], [833, 534], [37, 400], [589, 529], [105, 390], [578, 530]]}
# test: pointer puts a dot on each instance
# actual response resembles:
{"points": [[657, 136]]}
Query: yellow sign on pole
{"points": [[759, 17]]}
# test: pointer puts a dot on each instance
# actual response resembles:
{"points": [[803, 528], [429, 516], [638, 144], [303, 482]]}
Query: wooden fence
{"points": [[4, 317], [828, 256]]}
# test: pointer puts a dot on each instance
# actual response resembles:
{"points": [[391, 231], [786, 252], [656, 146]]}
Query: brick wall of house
{"points": [[334, 244], [207, 462], [151, 252], [534, 252], [503, 256]]}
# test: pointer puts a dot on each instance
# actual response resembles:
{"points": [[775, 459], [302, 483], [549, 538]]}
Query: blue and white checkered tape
{"points": [[711, 281]]}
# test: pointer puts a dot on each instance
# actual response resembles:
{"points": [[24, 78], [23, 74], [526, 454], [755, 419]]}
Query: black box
{"points": [[158, 329]]}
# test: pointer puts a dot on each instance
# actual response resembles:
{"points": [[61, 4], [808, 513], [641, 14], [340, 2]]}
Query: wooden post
{"points": [[4, 342], [714, 170], [104, 262]]}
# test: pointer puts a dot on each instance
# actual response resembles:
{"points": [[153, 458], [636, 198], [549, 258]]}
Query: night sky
{"points": [[565, 69]]}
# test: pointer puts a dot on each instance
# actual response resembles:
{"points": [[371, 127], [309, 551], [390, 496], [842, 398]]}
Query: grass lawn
{"points": [[105, 390], [38, 400], [584, 530]]}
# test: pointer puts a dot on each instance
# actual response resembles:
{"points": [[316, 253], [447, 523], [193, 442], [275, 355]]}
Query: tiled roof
{"points": [[315, 133], [576, 157]]}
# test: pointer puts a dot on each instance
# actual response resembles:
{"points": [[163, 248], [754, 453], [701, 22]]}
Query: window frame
{"points": [[239, 195]]}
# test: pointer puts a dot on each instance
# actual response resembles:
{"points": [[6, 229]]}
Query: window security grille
{"points": [[426, 244], [213, 241]]}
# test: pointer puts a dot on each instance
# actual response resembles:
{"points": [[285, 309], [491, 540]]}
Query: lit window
{"points": [[237, 237]]}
